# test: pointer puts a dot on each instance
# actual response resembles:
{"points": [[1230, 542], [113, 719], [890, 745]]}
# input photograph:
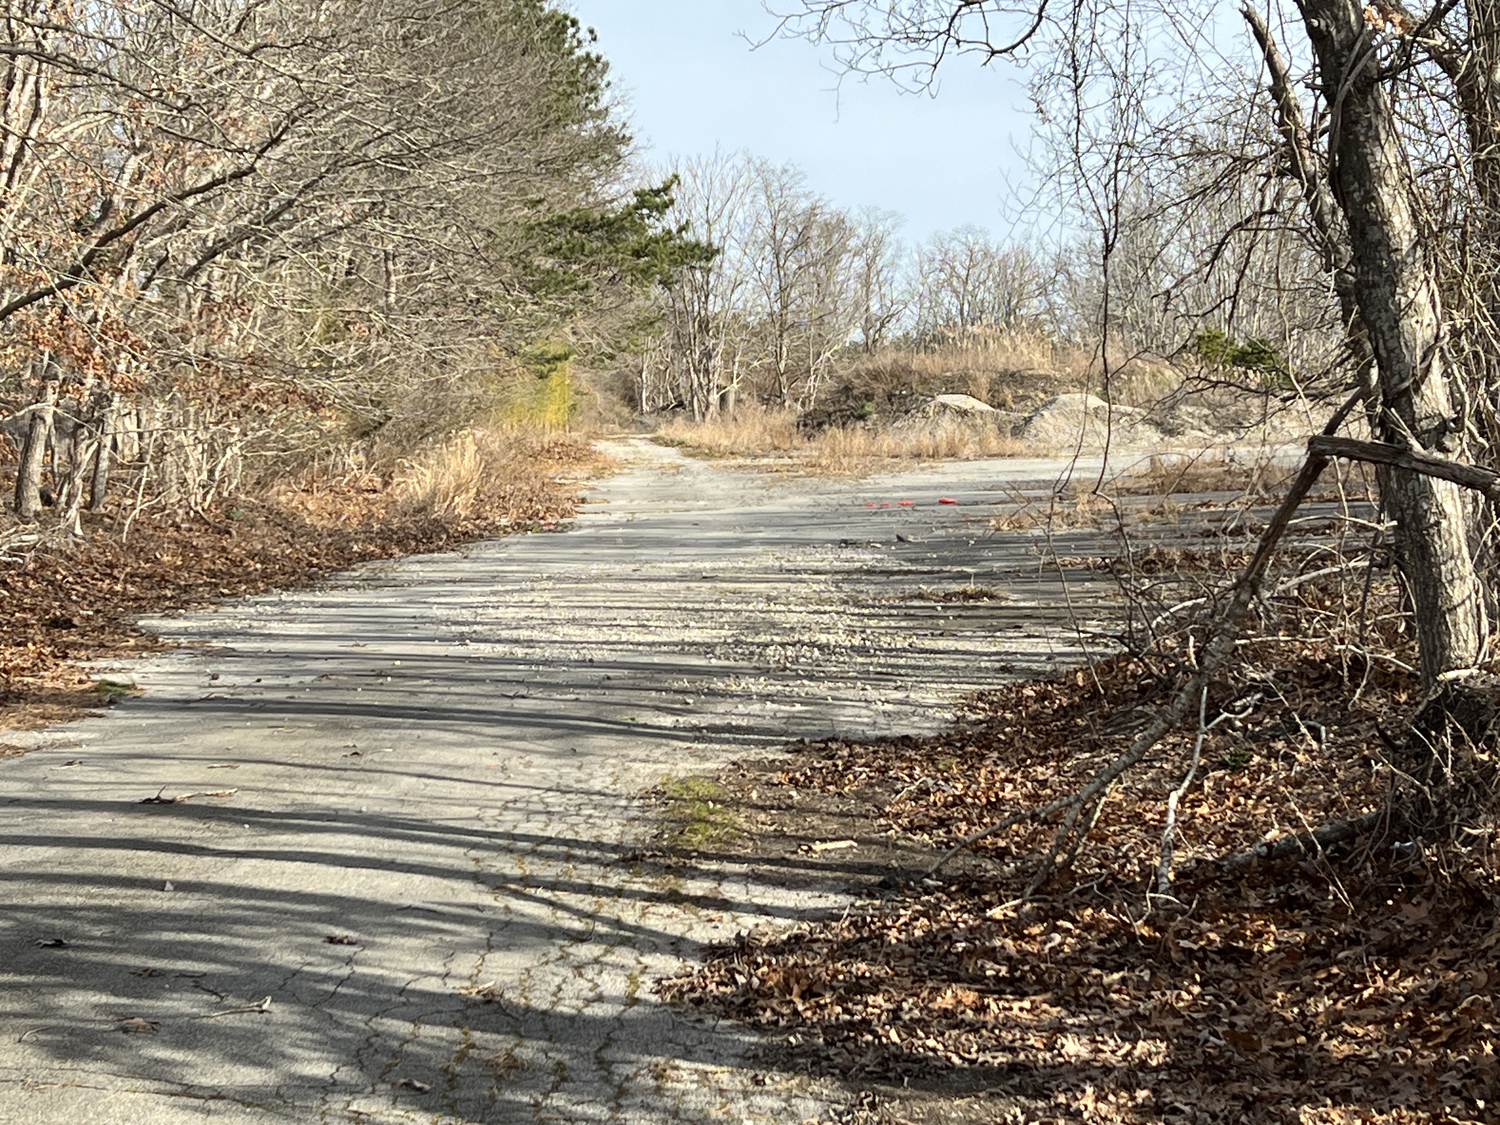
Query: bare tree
{"points": [[882, 289], [1362, 140], [701, 357], [247, 213], [793, 281], [800, 252], [969, 280]]}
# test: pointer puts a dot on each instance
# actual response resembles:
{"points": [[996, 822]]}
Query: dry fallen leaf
{"points": [[1290, 986], [832, 846], [504, 1063], [102, 586], [138, 1025], [488, 992]]}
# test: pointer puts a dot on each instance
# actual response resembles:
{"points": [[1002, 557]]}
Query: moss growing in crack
{"points": [[694, 814]]}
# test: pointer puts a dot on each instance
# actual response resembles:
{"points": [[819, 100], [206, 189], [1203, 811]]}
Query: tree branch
{"points": [[77, 273], [1379, 453], [1215, 654]]}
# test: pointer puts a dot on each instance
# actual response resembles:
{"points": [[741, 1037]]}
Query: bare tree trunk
{"points": [[34, 455], [99, 483], [128, 430], [169, 473], [72, 497], [1395, 285]]}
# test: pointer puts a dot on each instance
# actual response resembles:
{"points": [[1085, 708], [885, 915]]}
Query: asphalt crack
{"points": [[444, 757]]}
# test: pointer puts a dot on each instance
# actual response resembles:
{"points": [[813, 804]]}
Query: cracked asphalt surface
{"points": [[403, 889]]}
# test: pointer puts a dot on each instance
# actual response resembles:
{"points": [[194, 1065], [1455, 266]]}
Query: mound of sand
{"points": [[1076, 418], [943, 414]]}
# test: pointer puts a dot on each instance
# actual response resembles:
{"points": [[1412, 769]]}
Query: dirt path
{"points": [[438, 764]]}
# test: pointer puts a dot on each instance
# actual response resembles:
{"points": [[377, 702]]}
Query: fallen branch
{"points": [[1320, 450], [1304, 843], [1215, 653], [160, 799], [1164, 863], [261, 1009], [1416, 461]]}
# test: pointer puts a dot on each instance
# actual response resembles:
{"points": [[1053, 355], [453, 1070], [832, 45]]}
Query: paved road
{"points": [[439, 763]]}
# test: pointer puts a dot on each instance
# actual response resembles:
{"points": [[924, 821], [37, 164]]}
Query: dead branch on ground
{"points": [[1079, 810]]}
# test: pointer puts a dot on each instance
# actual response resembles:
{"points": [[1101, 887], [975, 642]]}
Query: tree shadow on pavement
{"points": [[404, 965]]}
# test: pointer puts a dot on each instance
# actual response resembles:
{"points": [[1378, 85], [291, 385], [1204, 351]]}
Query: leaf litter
{"points": [[1355, 985], [72, 601]]}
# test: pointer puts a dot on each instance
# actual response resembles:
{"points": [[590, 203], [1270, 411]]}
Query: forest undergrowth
{"points": [[1352, 983], [69, 601]]}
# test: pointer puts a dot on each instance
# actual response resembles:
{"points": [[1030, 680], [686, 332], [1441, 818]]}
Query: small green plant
{"points": [[115, 689], [1235, 760], [1217, 348], [695, 812]]}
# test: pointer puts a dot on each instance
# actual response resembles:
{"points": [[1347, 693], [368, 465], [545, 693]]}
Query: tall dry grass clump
{"points": [[757, 432], [880, 408], [750, 431], [1015, 369], [1003, 350], [497, 474], [1008, 369], [446, 481]]}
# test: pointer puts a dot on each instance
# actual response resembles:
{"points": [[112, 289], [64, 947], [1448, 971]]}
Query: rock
{"points": [[1081, 402], [966, 405]]}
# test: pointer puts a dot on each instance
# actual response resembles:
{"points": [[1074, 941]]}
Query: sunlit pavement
{"points": [[399, 885]]}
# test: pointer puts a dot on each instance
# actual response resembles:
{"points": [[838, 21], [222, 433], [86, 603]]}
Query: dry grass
{"points": [[751, 431], [854, 450], [755, 432], [1167, 479], [1257, 474], [875, 413], [68, 602], [1016, 370], [1003, 350], [483, 473], [1253, 475], [1060, 512], [449, 480]]}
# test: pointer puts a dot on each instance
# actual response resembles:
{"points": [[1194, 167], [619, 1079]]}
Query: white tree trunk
{"points": [[1396, 289]]}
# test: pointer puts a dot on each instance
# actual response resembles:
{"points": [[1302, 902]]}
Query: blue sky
{"points": [[691, 83]]}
